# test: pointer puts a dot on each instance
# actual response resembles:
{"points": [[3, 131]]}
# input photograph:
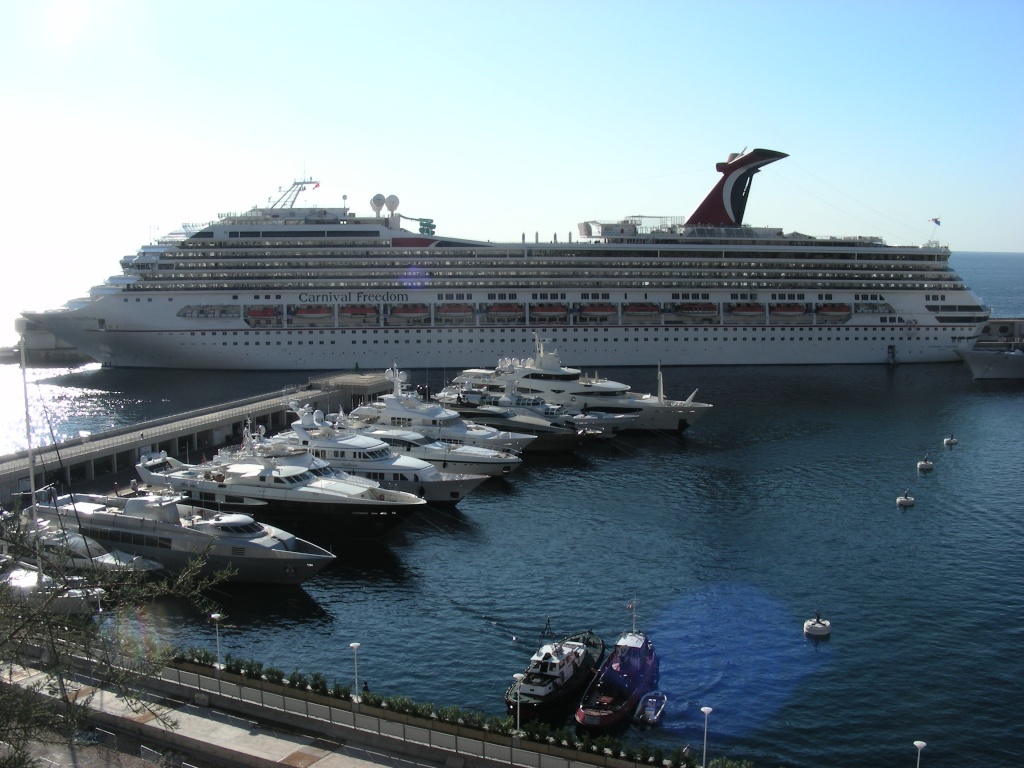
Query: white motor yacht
{"points": [[292, 485], [367, 456], [445, 456], [545, 377], [406, 410], [168, 528]]}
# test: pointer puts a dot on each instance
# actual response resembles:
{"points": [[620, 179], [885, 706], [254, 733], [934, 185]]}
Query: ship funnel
{"points": [[725, 204]]}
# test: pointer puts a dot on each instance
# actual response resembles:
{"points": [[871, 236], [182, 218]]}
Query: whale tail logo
{"points": [[725, 204]]}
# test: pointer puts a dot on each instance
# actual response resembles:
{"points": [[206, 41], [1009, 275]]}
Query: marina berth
{"points": [[173, 531], [290, 287], [292, 485], [363, 455]]}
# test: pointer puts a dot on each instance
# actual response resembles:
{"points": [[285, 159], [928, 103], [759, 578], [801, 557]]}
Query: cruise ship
{"points": [[287, 287]]}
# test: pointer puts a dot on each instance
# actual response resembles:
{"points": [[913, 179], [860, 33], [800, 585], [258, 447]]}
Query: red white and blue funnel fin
{"points": [[725, 204]]}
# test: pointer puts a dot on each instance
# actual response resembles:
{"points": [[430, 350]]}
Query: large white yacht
{"points": [[173, 531], [407, 410], [366, 456], [545, 377], [445, 456], [313, 287], [292, 485]]}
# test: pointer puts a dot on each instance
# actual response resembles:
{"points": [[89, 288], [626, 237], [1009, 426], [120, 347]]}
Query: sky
{"points": [[125, 118]]}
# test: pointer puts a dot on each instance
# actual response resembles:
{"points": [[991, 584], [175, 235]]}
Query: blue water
{"points": [[779, 503]]}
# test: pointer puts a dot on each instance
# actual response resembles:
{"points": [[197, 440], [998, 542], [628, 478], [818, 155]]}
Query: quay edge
{"points": [[96, 461]]}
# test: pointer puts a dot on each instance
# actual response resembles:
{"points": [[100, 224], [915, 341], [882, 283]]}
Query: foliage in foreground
{"points": [[54, 650]]}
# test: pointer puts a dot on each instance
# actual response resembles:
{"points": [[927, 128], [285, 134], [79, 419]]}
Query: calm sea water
{"points": [[779, 503]]}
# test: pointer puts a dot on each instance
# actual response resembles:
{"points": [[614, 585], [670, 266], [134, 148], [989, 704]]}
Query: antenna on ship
{"points": [[290, 195]]}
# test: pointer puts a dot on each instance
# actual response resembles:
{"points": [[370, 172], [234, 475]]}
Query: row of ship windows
{"points": [[473, 331], [675, 339], [468, 271], [576, 281], [636, 258]]}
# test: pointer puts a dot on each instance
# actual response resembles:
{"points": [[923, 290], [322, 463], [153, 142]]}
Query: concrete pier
{"points": [[98, 459]]}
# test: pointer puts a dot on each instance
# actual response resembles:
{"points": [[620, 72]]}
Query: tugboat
{"points": [[557, 673], [630, 671]]}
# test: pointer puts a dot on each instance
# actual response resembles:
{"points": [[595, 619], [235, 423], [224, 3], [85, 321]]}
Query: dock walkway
{"points": [[187, 436]]}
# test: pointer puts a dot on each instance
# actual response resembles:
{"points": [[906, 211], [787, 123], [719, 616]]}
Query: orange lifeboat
{"points": [[506, 312], [787, 310], [411, 311], [358, 310], [600, 311], [834, 311], [313, 312], [548, 311], [454, 312], [357, 313], [642, 309], [697, 309], [747, 310]]}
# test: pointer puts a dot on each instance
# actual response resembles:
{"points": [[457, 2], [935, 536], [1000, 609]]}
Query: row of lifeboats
{"points": [[551, 311]]}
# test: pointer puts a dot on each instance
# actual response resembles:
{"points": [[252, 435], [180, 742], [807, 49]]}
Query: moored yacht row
{"points": [[354, 476]]}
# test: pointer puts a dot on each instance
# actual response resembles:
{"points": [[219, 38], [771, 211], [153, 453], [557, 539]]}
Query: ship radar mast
{"points": [[290, 195]]}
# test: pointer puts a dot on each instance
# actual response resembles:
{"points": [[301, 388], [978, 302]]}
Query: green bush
{"points": [[297, 680], [449, 714], [204, 656], [339, 691], [318, 683], [253, 669], [401, 704], [274, 675]]}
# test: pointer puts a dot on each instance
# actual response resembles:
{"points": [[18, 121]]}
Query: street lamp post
{"points": [[216, 624], [355, 667], [920, 745], [518, 677], [707, 711]]}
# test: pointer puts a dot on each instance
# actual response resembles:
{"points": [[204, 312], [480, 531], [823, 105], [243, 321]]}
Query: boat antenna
{"points": [[632, 608], [547, 632], [290, 195]]}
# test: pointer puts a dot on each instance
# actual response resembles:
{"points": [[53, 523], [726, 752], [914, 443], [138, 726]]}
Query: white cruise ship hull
{"points": [[314, 288], [173, 346]]}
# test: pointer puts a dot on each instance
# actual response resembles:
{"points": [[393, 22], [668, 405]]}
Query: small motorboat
{"points": [[950, 441], [925, 464], [906, 500], [817, 627], [648, 711]]}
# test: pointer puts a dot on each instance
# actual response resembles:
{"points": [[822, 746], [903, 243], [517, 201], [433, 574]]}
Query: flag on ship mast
{"points": [[936, 222]]}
